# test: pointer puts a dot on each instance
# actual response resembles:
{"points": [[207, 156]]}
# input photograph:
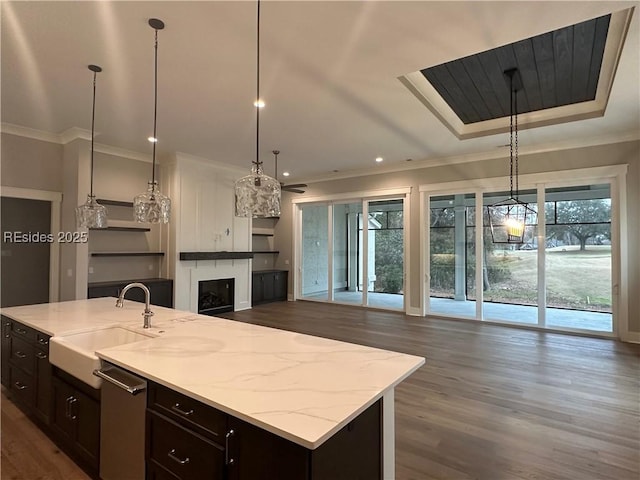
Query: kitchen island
{"points": [[305, 390]]}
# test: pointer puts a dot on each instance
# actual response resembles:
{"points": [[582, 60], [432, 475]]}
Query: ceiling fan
{"points": [[295, 188]]}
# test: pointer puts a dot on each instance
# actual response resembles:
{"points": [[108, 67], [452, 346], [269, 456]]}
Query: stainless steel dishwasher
{"points": [[122, 424]]}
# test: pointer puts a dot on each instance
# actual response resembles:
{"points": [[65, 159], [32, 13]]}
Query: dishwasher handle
{"points": [[122, 379]]}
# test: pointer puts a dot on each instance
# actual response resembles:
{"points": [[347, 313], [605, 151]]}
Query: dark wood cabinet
{"points": [[181, 451], [22, 387], [25, 367], [354, 453], [254, 451], [6, 350], [75, 419], [186, 439], [43, 377], [161, 290], [269, 286], [156, 472]]}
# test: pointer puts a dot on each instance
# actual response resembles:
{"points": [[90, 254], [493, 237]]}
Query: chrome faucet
{"points": [[147, 297]]}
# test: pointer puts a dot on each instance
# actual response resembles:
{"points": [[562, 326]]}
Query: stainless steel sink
{"points": [[75, 353]]}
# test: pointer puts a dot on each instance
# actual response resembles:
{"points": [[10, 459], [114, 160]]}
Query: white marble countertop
{"points": [[64, 318], [299, 387]]}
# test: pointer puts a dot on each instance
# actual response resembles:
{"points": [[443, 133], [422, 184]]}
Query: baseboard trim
{"points": [[631, 337]]}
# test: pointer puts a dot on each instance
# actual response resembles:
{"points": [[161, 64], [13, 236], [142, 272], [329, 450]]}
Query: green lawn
{"points": [[575, 279]]}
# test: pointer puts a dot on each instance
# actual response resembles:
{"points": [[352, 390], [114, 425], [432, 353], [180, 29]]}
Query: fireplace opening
{"points": [[215, 296]]}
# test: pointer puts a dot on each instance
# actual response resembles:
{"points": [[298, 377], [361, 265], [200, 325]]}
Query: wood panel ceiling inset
{"points": [[558, 68]]}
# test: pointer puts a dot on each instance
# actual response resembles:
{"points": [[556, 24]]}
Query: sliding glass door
{"points": [[560, 277], [510, 271], [347, 258], [352, 252], [578, 257], [452, 254], [315, 252], [385, 254]]}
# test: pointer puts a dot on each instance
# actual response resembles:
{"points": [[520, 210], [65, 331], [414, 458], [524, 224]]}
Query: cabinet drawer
{"points": [[22, 386], [42, 341], [156, 472], [22, 331], [187, 455], [22, 354], [189, 412]]}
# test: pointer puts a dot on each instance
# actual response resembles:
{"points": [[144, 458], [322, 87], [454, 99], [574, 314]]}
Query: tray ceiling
{"points": [[330, 75]]}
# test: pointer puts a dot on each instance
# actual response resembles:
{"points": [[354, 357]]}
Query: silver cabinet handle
{"points": [[19, 354], [41, 355], [72, 415], [172, 456], [186, 413], [67, 409], [43, 341], [227, 458], [21, 331], [20, 386]]}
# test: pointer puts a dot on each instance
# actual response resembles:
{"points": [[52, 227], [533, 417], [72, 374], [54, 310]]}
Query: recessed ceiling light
{"points": [[379, 159], [285, 174], [259, 103], [152, 139]]}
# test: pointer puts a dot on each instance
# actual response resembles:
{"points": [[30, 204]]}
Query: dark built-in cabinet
{"points": [[268, 286], [65, 407], [26, 371], [186, 439], [161, 290], [75, 419]]}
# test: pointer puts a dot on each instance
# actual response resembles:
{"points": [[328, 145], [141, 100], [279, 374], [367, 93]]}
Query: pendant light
{"points": [[509, 217], [257, 194], [91, 214], [152, 206]]}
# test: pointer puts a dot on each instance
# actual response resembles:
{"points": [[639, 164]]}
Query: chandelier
{"points": [[257, 194], [91, 214], [152, 206], [508, 218]]}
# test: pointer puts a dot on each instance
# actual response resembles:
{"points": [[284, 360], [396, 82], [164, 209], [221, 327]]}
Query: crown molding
{"points": [[122, 152], [68, 136], [27, 132], [573, 144], [180, 156], [74, 133]]}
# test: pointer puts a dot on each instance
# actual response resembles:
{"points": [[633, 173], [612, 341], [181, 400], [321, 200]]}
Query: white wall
{"points": [[203, 199]]}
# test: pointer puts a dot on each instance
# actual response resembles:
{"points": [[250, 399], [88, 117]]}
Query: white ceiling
{"points": [[329, 77]]}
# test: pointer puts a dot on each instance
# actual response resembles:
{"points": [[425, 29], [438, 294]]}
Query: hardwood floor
{"points": [[494, 402], [491, 403]]}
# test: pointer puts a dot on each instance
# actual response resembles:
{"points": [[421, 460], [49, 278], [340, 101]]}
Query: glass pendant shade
{"points": [[91, 214], [508, 220], [257, 195], [152, 206]]}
